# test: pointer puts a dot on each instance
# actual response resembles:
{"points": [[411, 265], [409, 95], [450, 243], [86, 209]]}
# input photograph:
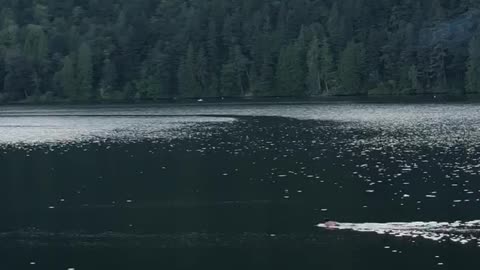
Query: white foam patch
{"points": [[458, 232]]}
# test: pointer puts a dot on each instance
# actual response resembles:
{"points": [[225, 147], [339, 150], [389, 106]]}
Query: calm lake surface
{"points": [[238, 186]]}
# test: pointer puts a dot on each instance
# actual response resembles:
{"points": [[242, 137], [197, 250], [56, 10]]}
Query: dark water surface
{"points": [[238, 186]]}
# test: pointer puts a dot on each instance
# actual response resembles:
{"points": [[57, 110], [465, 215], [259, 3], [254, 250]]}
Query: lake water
{"points": [[240, 187]]}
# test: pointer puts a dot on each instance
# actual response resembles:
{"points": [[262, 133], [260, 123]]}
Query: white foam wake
{"points": [[460, 232]]}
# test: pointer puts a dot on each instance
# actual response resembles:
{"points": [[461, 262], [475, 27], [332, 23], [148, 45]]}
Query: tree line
{"points": [[152, 49]]}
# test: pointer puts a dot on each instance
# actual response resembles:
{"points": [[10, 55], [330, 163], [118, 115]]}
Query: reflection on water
{"points": [[79, 182]]}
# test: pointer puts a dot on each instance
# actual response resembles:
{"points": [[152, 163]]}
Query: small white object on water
{"points": [[324, 210], [129, 201], [200, 100], [51, 207], [33, 263]]}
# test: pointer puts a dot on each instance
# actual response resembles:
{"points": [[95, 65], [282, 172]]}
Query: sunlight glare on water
{"points": [[244, 176], [68, 128]]}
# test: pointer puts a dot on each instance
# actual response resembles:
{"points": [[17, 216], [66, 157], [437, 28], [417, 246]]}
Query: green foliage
{"points": [[9, 36], [473, 66], [328, 74], [413, 77], [18, 82], [126, 49], [35, 46], [84, 74], [350, 69], [109, 80], [314, 79], [262, 84], [188, 83], [66, 78], [229, 82], [154, 78], [201, 71], [290, 77]]}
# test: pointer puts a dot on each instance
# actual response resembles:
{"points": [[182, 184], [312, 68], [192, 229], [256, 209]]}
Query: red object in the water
{"points": [[331, 224]]}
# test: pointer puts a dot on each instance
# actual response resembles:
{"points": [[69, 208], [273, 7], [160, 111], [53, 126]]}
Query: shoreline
{"points": [[430, 98]]}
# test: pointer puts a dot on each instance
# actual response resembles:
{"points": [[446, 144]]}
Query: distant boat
{"points": [[200, 100]]}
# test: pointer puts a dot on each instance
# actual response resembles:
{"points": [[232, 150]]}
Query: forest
{"points": [[127, 50]]}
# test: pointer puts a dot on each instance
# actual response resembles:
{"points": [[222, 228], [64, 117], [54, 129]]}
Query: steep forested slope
{"points": [[150, 49]]}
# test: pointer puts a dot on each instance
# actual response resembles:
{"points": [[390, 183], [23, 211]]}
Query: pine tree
{"points": [[350, 69], [40, 14], [201, 71], [282, 78], [213, 86], [437, 68], [263, 86], [227, 35], [35, 45], [84, 72], [229, 82], [109, 78], [188, 85], [413, 77], [7, 16], [473, 66], [155, 78], [338, 26], [67, 78], [182, 77], [313, 80], [212, 46], [290, 76], [18, 81], [327, 67], [241, 68], [9, 36]]}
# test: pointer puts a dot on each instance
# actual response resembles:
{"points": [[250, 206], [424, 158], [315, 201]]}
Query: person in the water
{"points": [[329, 224]]}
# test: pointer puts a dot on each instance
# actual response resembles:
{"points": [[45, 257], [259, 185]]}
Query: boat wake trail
{"points": [[458, 231]]}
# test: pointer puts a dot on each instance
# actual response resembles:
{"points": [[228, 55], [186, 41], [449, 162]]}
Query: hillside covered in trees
{"points": [[84, 50]]}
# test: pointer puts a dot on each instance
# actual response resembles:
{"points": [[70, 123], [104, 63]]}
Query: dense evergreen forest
{"points": [[83, 50]]}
